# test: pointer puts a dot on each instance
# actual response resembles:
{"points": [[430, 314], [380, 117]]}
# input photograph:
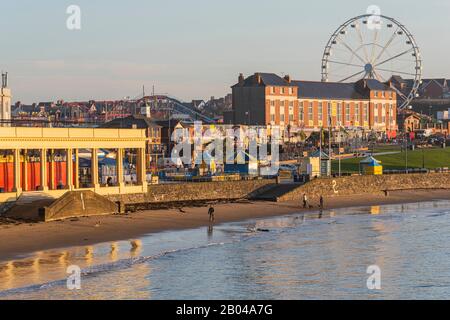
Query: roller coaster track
{"points": [[176, 105]]}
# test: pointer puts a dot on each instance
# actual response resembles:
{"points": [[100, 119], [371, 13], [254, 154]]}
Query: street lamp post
{"points": [[423, 158], [320, 151], [329, 143], [339, 152], [406, 152]]}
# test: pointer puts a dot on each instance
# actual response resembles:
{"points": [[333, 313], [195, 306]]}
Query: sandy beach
{"points": [[20, 239]]}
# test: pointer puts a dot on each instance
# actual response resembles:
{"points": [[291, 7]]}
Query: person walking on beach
{"points": [[211, 213], [305, 201], [321, 202]]}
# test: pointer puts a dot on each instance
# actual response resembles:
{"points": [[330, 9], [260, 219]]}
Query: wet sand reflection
{"points": [[49, 266]]}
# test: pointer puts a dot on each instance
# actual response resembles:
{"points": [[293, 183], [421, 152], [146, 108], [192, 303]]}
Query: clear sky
{"points": [[189, 49]]}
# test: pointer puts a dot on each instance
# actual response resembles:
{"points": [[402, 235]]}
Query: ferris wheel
{"points": [[368, 48]]}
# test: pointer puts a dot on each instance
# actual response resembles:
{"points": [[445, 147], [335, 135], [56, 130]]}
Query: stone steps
{"points": [[277, 191], [27, 206], [30, 197]]}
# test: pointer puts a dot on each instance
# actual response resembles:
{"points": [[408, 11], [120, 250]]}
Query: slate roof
{"points": [[141, 122], [371, 161], [267, 79], [25, 108], [441, 82], [172, 123], [373, 84], [317, 154], [318, 89], [327, 90], [398, 79]]}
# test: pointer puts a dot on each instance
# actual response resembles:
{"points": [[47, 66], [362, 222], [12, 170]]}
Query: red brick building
{"points": [[267, 99]]}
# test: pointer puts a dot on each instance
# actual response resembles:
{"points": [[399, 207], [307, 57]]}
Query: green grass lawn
{"points": [[385, 148], [434, 158]]}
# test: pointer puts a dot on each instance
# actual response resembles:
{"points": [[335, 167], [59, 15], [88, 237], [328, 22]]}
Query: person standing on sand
{"points": [[305, 201], [211, 213]]}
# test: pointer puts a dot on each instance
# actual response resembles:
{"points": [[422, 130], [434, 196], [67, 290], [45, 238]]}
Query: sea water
{"points": [[319, 255]]}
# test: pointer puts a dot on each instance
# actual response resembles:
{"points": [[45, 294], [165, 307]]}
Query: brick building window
{"points": [[347, 112], [357, 113], [339, 113], [375, 111], [391, 113], [301, 113], [310, 111], [329, 112], [282, 90], [366, 112], [320, 111]]}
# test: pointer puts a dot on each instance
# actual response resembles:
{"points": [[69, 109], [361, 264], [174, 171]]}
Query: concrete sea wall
{"points": [[200, 191], [355, 185]]}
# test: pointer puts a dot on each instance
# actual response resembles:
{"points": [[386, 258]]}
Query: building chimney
{"points": [[241, 78], [287, 78], [258, 78]]}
